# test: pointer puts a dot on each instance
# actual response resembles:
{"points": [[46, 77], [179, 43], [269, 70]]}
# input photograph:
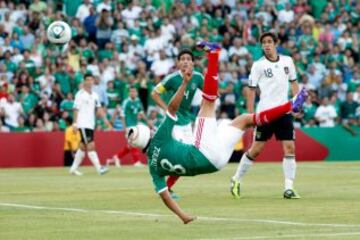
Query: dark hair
{"points": [[88, 75], [269, 34], [186, 51]]}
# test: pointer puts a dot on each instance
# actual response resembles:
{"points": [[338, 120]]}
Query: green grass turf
{"points": [[330, 195]]}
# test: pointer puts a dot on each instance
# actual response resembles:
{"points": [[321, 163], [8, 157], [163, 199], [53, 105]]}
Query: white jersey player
{"points": [[273, 74], [86, 105]]}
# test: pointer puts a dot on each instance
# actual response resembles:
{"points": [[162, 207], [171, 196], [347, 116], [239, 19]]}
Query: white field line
{"points": [[201, 218], [290, 236]]}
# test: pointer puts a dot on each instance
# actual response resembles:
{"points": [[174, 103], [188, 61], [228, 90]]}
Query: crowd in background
{"points": [[127, 43]]}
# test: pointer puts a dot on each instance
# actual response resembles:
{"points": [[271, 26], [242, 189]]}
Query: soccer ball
{"points": [[59, 32]]}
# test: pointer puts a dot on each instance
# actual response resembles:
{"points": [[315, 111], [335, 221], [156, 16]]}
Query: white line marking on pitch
{"points": [[289, 236], [203, 218]]}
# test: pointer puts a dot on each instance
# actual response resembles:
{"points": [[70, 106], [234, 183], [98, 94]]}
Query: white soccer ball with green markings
{"points": [[59, 32]]}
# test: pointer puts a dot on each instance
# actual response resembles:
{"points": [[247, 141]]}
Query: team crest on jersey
{"points": [[286, 69], [193, 86]]}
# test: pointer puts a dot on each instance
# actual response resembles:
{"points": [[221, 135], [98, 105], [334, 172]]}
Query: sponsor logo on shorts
{"points": [[258, 134]]}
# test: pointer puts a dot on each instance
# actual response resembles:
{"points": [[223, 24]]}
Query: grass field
{"points": [[47, 204]]}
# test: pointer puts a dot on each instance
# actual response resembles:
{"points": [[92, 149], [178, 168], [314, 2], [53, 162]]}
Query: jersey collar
{"points": [[277, 59], [180, 73]]}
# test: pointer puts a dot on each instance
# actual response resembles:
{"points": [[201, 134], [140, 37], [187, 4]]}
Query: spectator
{"points": [[119, 35], [21, 126], [103, 23], [162, 66], [38, 6], [83, 10], [105, 5], [309, 110], [27, 39], [314, 76], [348, 113], [11, 110], [39, 126], [131, 13], [90, 24], [326, 114], [286, 15]]}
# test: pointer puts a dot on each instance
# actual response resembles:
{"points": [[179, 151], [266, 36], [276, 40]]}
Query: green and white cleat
{"points": [[235, 188], [291, 194]]}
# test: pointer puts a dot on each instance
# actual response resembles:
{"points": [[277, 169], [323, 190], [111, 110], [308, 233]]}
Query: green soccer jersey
{"points": [[168, 157], [170, 85], [64, 80], [113, 97], [309, 111], [131, 109]]}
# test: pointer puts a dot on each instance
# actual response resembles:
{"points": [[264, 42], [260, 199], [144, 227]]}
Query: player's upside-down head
{"points": [[139, 136]]}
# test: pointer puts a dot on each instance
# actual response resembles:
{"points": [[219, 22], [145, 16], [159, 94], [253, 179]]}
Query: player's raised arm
{"points": [[157, 99], [177, 98]]}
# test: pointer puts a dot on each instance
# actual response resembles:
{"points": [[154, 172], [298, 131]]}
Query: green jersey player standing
{"points": [[212, 145], [182, 131]]}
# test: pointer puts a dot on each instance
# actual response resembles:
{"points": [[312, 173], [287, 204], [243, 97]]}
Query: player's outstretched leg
{"points": [[210, 90]]}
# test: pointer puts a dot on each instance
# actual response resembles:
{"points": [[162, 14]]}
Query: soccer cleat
{"points": [[291, 194], [208, 46], [173, 195], [235, 188], [76, 173], [103, 170], [299, 100]]}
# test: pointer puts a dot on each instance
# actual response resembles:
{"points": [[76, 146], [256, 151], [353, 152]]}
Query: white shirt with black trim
{"points": [[86, 105], [272, 78]]}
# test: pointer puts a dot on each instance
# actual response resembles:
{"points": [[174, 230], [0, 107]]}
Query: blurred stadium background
{"points": [[136, 43]]}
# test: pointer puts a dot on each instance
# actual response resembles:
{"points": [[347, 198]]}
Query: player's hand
{"points": [[188, 74], [297, 115], [188, 219]]}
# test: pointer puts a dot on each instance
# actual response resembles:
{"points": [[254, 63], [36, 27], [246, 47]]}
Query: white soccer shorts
{"points": [[215, 141]]}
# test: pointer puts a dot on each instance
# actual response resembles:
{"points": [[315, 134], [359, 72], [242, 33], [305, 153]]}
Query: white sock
{"points": [[79, 156], [95, 160], [243, 167], [289, 168]]}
